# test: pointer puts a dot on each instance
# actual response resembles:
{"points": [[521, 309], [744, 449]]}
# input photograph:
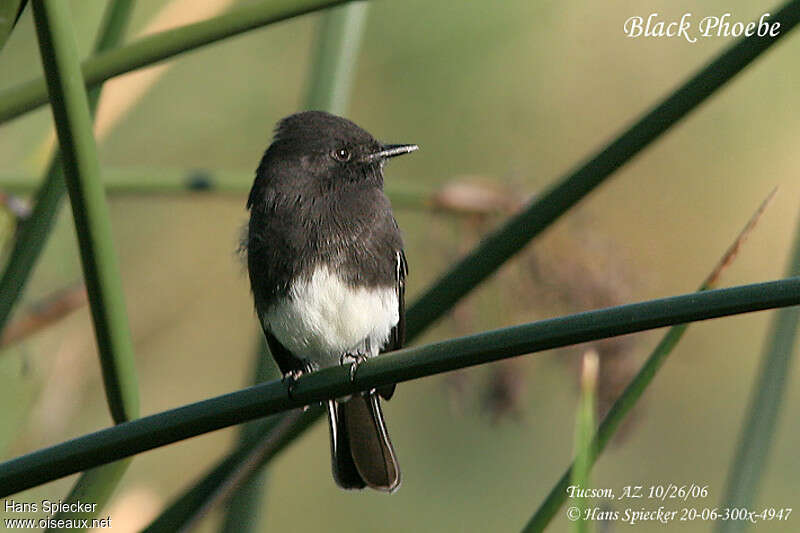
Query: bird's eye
{"points": [[341, 154]]}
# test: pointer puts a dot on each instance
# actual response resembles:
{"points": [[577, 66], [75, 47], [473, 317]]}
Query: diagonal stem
{"points": [[90, 212], [27, 96], [501, 245], [758, 430]]}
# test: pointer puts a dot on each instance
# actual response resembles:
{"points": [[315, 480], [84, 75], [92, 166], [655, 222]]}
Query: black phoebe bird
{"points": [[327, 271]]}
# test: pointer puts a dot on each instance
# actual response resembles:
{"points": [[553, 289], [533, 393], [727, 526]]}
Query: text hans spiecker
{"points": [[47, 506], [710, 26]]}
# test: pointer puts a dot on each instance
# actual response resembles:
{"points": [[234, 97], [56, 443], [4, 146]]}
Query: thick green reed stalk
{"points": [[71, 111], [82, 176], [150, 432]]}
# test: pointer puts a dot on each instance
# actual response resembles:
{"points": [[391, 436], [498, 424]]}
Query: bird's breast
{"points": [[322, 317]]}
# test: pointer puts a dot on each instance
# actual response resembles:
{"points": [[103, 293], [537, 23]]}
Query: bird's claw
{"points": [[355, 360], [290, 377]]}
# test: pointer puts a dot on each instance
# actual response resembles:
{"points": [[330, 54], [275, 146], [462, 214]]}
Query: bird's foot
{"points": [[290, 377], [354, 360]]}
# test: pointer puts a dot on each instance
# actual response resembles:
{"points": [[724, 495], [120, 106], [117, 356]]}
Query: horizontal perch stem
{"points": [[150, 432]]}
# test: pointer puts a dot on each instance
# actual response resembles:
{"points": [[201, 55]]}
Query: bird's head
{"points": [[315, 149]]}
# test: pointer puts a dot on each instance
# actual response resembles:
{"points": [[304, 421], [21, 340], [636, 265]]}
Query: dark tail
{"points": [[361, 451]]}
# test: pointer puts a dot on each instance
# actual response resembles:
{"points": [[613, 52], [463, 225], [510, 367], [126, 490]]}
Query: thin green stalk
{"points": [[271, 439], [10, 10], [244, 507], [82, 174], [95, 486], [338, 42], [98, 484], [150, 432], [498, 247], [33, 232], [769, 389], [167, 181], [240, 467], [584, 428], [627, 400], [30, 239], [27, 96]]}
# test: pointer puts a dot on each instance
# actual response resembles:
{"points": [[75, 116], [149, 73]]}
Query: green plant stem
{"points": [[584, 429], [30, 239], [150, 432], [337, 46], [761, 421], [167, 181], [27, 96], [98, 484], [244, 506], [82, 174], [627, 400], [33, 232], [10, 10], [267, 442], [498, 247], [95, 486]]}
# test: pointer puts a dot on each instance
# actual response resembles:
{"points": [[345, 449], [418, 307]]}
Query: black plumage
{"points": [[320, 223]]}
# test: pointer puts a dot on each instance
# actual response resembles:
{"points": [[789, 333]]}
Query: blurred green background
{"points": [[508, 95]]}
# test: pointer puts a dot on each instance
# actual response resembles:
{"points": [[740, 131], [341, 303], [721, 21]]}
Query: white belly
{"points": [[324, 318]]}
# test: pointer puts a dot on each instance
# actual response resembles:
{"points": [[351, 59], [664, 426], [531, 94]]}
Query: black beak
{"points": [[391, 150]]}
